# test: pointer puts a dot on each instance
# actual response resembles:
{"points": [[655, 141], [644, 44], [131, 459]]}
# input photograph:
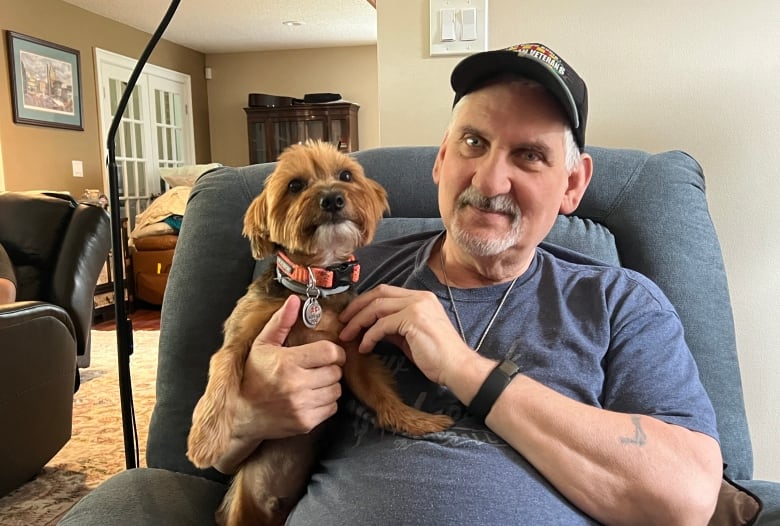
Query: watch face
{"points": [[508, 368]]}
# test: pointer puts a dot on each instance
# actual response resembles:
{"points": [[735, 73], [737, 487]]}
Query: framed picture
{"points": [[45, 82]]}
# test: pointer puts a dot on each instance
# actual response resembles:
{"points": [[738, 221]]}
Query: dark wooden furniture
{"points": [[272, 129]]}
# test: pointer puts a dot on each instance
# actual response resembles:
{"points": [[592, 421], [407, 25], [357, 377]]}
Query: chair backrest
{"points": [[646, 212], [58, 248]]}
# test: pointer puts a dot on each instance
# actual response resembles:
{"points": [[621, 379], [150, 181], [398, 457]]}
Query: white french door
{"points": [[155, 132]]}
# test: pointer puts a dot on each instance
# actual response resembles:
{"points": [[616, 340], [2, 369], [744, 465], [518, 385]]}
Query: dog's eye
{"points": [[296, 185], [345, 176]]}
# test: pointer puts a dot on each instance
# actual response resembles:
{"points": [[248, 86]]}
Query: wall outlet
{"points": [[78, 168]]}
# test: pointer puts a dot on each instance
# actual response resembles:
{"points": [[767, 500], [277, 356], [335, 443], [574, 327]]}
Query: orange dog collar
{"points": [[333, 276]]}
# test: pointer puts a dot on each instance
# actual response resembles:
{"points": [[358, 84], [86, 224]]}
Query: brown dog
{"points": [[317, 207]]}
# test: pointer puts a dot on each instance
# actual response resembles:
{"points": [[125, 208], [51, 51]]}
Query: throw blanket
{"points": [[151, 222]]}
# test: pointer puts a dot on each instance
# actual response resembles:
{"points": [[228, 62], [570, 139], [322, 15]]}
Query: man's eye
{"points": [[296, 186], [531, 156], [473, 142], [345, 176]]}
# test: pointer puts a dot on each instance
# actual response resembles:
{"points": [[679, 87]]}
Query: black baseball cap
{"points": [[533, 61]]}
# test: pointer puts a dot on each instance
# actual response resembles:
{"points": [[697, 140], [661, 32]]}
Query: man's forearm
{"points": [[616, 467]]}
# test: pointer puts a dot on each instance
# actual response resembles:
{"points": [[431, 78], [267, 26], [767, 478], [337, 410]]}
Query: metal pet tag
{"points": [[312, 312]]}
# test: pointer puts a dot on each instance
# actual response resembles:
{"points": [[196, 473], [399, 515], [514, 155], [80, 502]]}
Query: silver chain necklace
{"points": [[455, 307]]}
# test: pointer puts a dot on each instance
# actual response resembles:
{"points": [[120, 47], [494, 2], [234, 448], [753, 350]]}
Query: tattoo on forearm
{"points": [[639, 438]]}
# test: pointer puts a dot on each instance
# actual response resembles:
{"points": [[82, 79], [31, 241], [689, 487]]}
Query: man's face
{"points": [[506, 142]]}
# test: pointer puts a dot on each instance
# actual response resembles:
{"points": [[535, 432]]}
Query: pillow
{"points": [[586, 237], [581, 235], [736, 506], [390, 227], [185, 175], [152, 229]]}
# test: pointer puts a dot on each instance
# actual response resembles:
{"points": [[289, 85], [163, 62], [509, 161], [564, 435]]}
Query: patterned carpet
{"points": [[96, 448]]}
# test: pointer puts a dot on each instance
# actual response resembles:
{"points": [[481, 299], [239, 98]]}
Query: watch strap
{"points": [[492, 387]]}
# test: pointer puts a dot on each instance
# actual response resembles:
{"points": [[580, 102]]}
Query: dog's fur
{"points": [[289, 215]]}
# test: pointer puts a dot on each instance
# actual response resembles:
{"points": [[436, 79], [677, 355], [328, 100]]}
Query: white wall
{"points": [[701, 76]]}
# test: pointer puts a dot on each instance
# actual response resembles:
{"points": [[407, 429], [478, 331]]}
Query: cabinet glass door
{"points": [[339, 134], [315, 129], [287, 133], [258, 144]]}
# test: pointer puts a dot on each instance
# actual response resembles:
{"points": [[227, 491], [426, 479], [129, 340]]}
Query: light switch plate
{"points": [[473, 41]]}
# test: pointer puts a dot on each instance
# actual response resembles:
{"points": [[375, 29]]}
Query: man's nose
{"points": [[493, 175]]}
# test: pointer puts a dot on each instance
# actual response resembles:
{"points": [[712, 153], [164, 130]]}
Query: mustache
{"points": [[498, 203]]}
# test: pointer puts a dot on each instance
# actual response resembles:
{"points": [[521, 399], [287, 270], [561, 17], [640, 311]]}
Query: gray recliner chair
{"points": [[57, 248], [646, 212]]}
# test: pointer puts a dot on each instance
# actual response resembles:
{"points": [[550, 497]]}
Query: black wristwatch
{"points": [[493, 386]]}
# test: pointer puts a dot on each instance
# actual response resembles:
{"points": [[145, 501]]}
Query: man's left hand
{"points": [[412, 320]]}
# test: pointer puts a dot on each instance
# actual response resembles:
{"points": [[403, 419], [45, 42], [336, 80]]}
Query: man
{"points": [[7, 278], [581, 404]]}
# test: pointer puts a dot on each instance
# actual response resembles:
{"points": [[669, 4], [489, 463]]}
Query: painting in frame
{"points": [[45, 82]]}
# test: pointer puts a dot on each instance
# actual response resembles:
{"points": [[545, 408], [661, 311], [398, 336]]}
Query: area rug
{"points": [[95, 451]]}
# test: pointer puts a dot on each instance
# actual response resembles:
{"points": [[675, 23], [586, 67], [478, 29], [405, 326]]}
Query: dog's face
{"points": [[317, 204]]}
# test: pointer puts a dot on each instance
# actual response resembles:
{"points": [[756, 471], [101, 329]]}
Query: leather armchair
{"points": [[57, 248]]}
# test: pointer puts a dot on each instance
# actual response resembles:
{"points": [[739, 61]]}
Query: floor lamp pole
{"points": [[124, 328]]}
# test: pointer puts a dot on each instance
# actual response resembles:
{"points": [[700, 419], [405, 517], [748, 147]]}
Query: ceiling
{"points": [[230, 26]]}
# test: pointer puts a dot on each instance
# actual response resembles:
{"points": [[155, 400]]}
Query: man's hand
{"points": [[289, 390], [286, 391], [412, 320]]}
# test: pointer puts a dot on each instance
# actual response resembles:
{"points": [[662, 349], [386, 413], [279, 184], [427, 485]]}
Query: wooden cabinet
{"points": [[272, 129]]}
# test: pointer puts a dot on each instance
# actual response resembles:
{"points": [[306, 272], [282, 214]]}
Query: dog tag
{"points": [[312, 312]]}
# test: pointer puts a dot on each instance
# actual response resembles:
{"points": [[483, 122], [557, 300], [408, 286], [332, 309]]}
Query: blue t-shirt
{"points": [[604, 336]]}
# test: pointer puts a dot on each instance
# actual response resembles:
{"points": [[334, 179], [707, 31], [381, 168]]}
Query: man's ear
{"points": [[578, 182], [439, 159]]}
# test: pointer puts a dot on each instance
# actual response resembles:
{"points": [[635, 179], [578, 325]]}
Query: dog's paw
{"points": [[414, 422], [209, 437], [200, 450], [201, 455]]}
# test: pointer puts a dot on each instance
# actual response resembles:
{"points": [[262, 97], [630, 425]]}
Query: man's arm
{"points": [[619, 468], [616, 467]]}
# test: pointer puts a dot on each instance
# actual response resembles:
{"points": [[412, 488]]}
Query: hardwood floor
{"points": [[145, 318]]}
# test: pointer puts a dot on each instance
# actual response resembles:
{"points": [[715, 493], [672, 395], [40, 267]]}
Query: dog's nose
{"points": [[332, 201]]}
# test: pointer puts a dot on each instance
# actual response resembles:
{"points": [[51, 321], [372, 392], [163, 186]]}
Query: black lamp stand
{"points": [[124, 327]]}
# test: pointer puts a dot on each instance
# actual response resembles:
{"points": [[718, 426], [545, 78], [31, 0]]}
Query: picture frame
{"points": [[45, 82]]}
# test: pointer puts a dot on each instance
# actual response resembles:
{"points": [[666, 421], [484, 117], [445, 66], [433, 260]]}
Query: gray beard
{"points": [[480, 246]]}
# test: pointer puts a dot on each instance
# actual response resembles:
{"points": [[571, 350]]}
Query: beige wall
{"points": [[696, 76], [350, 71], [35, 157]]}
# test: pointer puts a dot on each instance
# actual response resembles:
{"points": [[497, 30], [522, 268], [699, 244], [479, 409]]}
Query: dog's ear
{"points": [[375, 209], [381, 199], [256, 227]]}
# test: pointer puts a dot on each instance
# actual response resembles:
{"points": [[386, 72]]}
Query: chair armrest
{"points": [[21, 312], [38, 362], [38, 350], [84, 251]]}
